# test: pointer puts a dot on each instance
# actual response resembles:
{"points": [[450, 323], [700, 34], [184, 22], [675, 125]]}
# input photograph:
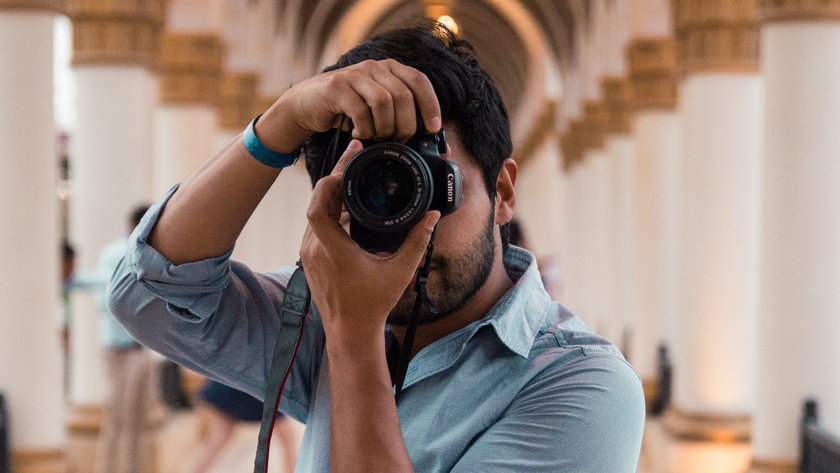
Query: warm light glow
{"points": [[449, 22]]}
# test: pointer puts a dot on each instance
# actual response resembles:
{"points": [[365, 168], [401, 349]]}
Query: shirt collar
{"points": [[518, 316]]}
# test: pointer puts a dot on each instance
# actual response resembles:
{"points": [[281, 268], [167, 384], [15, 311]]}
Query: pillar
{"points": [[30, 352], [798, 306], [721, 106], [621, 162], [656, 138], [115, 57], [185, 122]]}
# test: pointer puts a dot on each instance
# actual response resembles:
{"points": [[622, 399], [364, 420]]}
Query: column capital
{"points": [[192, 68], [593, 129], [653, 73], [237, 99], [571, 144], [616, 93], [798, 10], [117, 32], [57, 6], [716, 35]]}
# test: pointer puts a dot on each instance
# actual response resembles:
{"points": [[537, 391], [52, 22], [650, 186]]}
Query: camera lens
{"points": [[385, 188]]}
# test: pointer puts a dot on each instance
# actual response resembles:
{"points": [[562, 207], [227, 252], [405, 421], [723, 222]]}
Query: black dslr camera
{"points": [[388, 187]]}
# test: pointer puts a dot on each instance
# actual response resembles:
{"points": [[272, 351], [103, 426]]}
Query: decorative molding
{"points": [[759, 466], [192, 68], [571, 145], [716, 35], [116, 31], [39, 461], [542, 126], [682, 425], [798, 10], [616, 93], [58, 6], [593, 132], [238, 97], [653, 74]]}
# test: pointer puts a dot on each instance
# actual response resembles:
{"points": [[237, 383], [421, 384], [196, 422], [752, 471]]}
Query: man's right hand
{"points": [[381, 97], [204, 218]]}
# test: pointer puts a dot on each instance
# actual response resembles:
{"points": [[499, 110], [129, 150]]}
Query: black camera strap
{"points": [[422, 298], [292, 312]]}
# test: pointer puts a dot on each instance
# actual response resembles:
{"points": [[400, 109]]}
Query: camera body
{"points": [[388, 187]]}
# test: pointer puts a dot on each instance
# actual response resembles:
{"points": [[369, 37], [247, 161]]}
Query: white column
{"points": [[183, 139], [799, 304], [111, 152], [30, 354], [656, 136], [722, 141], [540, 207], [620, 270], [598, 264]]}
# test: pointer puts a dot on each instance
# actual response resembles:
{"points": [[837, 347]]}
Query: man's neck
{"points": [[474, 309]]}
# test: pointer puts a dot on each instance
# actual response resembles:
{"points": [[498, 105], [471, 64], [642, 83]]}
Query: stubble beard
{"points": [[456, 279]]}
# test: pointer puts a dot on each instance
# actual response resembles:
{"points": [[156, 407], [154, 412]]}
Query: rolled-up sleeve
{"points": [[214, 316]]}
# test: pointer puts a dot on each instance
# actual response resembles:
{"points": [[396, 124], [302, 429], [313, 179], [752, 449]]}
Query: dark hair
{"points": [[467, 96]]}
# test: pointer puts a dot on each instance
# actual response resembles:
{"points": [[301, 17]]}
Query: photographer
{"points": [[501, 378]]}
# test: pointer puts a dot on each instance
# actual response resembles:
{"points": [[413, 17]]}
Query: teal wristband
{"points": [[263, 154]]}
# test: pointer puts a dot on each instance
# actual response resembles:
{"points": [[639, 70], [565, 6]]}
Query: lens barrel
{"points": [[387, 187]]}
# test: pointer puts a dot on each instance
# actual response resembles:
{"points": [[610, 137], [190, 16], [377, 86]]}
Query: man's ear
{"points": [[505, 192]]}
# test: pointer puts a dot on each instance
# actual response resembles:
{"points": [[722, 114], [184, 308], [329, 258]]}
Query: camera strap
{"points": [[422, 298], [292, 312]]}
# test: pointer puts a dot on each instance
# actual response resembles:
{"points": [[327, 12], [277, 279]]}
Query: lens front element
{"points": [[385, 188]]}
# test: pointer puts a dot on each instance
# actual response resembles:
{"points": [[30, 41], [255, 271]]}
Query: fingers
{"points": [[382, 98], [414, 247], [423, 93], [354, 147]]}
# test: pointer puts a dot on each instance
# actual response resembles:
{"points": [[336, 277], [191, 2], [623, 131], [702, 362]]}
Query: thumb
{"points": [[414, 247]]}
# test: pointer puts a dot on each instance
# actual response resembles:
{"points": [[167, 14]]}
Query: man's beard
{"points": [[456, 280]]}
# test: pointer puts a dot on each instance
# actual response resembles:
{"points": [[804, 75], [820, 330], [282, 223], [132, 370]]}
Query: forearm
{"points": [[206, 215], [365, 433]]}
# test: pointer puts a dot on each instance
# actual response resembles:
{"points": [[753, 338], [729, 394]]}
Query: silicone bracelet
{"points": [[261, 153]]}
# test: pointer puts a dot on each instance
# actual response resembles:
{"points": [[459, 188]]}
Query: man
{"points": [[126, 428], [502, 379]]}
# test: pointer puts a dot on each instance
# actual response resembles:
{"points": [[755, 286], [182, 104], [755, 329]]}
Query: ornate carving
{"points": [[571, 145], [702, 427], [192, 68], [616, 93], [57, 6], [593, 132], [653, 74], [116, 31], [793, 10], [239, 93], [716, 35]]}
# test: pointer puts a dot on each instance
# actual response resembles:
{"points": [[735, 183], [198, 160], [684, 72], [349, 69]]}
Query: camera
{"points": [[388, 187]]}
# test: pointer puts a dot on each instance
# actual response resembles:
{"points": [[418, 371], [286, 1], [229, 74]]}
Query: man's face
{"points": [[464, 247]]}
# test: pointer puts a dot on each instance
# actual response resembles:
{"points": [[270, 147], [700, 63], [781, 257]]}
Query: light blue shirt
{"points": [[111, 333], [529, 388]]}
